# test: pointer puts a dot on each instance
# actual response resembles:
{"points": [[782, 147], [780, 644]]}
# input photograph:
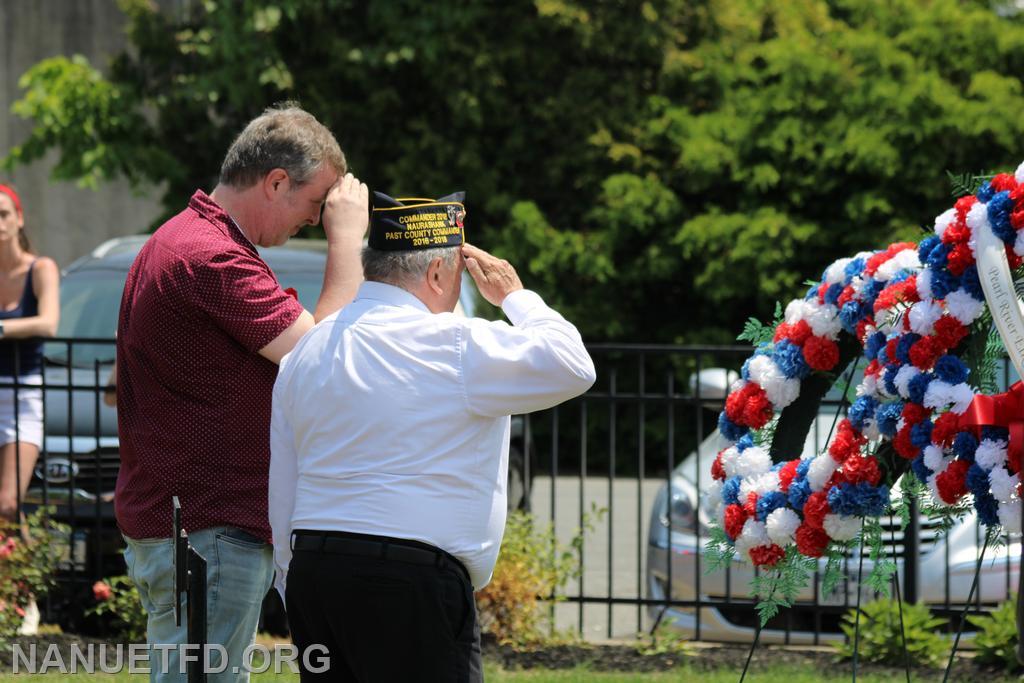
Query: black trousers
{"points": [[381, 619]]}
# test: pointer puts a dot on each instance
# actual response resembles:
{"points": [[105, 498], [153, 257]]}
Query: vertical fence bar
{"points": [[611, 491], [641, 472], [698, 417], [911, 555], [527, 470], [97, 543], [72, 484], [554, 481], [583, 477], [670, 455]]}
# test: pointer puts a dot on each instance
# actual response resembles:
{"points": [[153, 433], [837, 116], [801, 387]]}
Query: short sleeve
{"points": [[239, 292]]}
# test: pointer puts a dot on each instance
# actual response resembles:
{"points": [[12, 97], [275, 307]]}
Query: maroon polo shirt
{"points": [[193, 395]]}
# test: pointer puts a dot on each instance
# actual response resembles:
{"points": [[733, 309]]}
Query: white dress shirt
{"points": [[394, 421]]}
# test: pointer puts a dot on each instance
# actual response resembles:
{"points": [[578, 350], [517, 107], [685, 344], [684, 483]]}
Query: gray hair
{"points": [[286, 137], [403, 268]]}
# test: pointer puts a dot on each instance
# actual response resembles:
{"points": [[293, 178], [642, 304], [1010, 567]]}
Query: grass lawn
{"points": [[494, 673]]}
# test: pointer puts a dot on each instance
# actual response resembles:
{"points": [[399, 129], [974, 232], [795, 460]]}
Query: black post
{"points": [[911, 555], [197, 614]]}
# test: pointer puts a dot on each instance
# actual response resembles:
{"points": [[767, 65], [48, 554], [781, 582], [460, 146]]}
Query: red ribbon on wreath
{"points": [[1002, 410]]}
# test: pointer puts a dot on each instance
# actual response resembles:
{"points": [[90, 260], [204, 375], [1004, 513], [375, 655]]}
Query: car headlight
{"points": [[678, 511]]}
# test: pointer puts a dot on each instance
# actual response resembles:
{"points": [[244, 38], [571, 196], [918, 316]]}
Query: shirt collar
{"points": [[204, 205], [389, 294]]}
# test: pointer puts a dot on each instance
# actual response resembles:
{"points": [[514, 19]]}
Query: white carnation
{"points": [[753, 535], [1019, 174], [924, 284], [991, 453], [977, 218], [943, 220], [836, 272], [1003, 485], [963, 306], [753, 461], [933, 457], [794, 311], [713, 495], [868, 386], [780, 390], [962, 396], [781, 525], [820, 470], [903, 377], [841, 527], [938, 395], [823, 319], [729, 458], [906, 259], [759, 484], [923, 316], [1018, 244]]}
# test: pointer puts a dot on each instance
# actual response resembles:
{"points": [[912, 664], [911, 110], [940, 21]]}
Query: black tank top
{"points": [[30, 352]]}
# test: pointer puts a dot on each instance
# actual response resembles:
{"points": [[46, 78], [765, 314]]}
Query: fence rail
{"points": [[638, 446]]}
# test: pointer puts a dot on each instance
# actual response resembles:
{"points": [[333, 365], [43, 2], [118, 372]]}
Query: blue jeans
{"points": [[239, 571]]}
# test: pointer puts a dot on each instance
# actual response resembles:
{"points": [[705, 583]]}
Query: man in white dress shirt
{"points": [[389, 449]]}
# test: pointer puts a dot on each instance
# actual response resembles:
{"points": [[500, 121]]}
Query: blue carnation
{"points": [[802, 469], [985, 193], [745, 442], [999, 209], [853, 269], [790, 359], [951, 369], [850, 315], [871, 292], [903, 347], [874, 344], [799, 492], [745, 370], [861, 409], [943, 282], [938, 256], [921, 470], [812, 293], [889, 378], [859, 500], [731, 491], [971, 282], [887, 416], [964, 446], [926, 245], [917, 387], [977, 480], [832, 293], [900, 276], [730, 429], [883, 356], [988, 509], [768, 503], [995, 433], [921, 433]]}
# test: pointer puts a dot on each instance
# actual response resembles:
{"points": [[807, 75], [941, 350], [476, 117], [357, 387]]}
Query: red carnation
{"points": [[874, 262], [717, 469], [766, 555], [859, 468], [945, 430], [811, 541], [846, 443], [862, 328], [873, 369], [963, 205], [816, 508], [822, 290], [1013, 461], [890, 348], [781, 332], [735, 518], [845, 296], [1012, 257], [737, 401], [749, 407], [924, 352], [903, 445], [914, 413], [959, 259], [952, 483], [786, 474], [799, 332], [750, 507], [821, 353], [949, 331], [956, 233], [1003, 182], [1017, 217]]}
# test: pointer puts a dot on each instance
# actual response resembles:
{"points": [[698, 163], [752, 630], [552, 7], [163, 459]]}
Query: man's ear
{"points": [[434, 276], [276, 183]]}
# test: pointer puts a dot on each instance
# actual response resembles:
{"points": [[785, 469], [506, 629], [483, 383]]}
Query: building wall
{"points": [[63, 220]]}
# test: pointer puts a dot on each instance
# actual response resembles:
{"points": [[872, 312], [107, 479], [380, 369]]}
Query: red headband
{"points": [[14, 197]]}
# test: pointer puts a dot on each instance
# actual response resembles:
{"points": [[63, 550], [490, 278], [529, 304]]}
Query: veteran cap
{"points": [[410, 223]]}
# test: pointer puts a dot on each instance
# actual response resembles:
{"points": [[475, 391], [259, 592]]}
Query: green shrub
{"points": [[996, 641], [118, 597], [881, 642], [29, 556], [531, 567]]}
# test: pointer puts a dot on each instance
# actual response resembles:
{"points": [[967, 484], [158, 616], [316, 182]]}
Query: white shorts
{"points": [[30, 411]]}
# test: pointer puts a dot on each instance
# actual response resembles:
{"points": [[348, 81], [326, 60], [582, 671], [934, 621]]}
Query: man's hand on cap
{"points": [[494, 277], [347, 209]]}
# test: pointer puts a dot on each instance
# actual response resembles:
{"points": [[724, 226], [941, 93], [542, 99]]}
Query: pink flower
{"points": [[101, 590], [8, 547]]}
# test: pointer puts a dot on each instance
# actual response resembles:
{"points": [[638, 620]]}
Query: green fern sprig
{"points": [[718, 551]]}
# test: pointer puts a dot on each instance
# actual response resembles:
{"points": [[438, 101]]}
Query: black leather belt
{"points": [[382, 547]]}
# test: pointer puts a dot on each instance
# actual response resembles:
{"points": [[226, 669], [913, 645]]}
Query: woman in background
{"points": [[29, 309]]}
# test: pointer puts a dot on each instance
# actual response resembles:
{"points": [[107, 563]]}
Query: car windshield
{"points": [[91, 299]]}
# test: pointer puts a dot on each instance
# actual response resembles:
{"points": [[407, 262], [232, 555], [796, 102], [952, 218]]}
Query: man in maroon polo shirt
{"points": [[202, 327]]}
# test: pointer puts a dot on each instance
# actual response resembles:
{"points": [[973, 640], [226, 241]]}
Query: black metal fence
{"points": [[621, 460]]}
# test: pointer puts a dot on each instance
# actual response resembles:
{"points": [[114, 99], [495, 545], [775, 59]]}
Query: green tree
{"points": [[681, 161]]}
